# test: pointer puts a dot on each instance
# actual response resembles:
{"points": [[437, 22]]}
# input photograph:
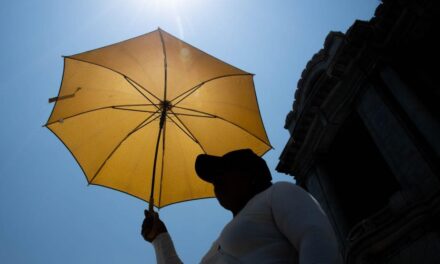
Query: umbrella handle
{"points": [[151, 205]]}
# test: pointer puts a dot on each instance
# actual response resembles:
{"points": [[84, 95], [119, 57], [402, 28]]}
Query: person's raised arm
{"points": [[300, 218], [155, 232]]}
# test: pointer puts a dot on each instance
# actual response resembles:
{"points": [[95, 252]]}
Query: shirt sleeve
{"points": [[165, 251], [300, 218]]}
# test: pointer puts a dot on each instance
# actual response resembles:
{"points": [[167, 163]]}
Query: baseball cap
{"points": [[208, 166]]}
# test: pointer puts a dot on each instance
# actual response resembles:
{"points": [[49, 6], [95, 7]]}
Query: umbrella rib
{"points": [[147, 123], [224, 119], [197, 111], [182, 114], [134, 110], [137, 128], [187, 131], [187, 93], [131, 82], [78, 114], [93, 110], [244, 129], [105, 67], [126, 105], [183, 130], [198, 86]]}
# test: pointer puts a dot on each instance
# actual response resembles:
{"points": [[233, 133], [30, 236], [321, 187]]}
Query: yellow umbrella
{"points": [[136, 114]]}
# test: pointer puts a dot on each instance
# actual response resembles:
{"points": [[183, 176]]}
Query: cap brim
{"points": [[208, 166]]}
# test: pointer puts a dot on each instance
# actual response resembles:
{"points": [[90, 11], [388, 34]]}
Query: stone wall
{"points": [[365, 132]]}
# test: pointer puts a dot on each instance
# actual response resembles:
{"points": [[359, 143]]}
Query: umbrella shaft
{"points": [[153, 180]]}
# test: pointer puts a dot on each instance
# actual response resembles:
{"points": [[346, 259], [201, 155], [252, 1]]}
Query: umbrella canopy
{"points": [[136, 114]]}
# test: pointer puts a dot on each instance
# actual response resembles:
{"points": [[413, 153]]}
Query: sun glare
{"points": [[174, 15], [166, 3], [175, 11]]}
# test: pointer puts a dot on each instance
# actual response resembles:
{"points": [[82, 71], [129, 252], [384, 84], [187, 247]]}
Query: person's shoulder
{"points": [[286, 187], [290, 193]]}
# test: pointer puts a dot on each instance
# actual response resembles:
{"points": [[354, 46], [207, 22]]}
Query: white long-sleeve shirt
{"points": [[283, 224]]}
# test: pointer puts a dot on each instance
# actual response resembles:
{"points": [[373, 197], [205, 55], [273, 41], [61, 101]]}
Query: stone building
{"points": [[365, 134]]}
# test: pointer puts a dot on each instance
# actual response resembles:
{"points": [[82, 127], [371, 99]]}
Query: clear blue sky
{"points": [[47, 212]]}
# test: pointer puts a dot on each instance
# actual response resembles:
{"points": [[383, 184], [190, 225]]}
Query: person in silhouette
{"points": [[272, 223]]}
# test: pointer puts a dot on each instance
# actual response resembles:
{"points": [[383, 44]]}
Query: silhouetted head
{"points": [[237, 176]]}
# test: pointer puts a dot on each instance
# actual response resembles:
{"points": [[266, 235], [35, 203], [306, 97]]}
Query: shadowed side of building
{"points": [[365, 134]]}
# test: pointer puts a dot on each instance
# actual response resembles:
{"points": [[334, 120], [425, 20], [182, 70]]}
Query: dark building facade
{"points": [[365, 134]]}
